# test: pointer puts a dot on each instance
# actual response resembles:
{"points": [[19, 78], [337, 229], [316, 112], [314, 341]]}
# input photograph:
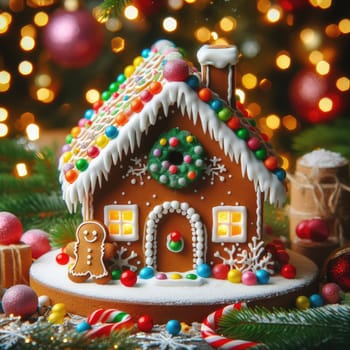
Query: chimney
{"points": [[218, 70]]}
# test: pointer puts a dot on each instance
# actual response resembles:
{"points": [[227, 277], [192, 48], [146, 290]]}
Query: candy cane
{"points": [[210, 324], [105, 322]]}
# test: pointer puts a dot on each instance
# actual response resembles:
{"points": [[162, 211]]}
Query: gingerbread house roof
{"points": [[156, 80]]}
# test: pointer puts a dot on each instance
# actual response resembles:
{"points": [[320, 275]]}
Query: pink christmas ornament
{"points": [[331, 293], [38, 240], [20, 300], [10, 228], [74, 39]]}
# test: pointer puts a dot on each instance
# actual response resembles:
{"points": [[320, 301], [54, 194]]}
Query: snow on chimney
{"points": [[218, 69]]}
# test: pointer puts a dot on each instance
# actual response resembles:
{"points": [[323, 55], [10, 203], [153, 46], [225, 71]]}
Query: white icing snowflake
{"points": [[162, 340], [214, 169], [121, 260], [251, 259], [137, 170]]}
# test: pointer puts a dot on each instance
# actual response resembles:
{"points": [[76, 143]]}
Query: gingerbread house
{"points": [[173, 166]]}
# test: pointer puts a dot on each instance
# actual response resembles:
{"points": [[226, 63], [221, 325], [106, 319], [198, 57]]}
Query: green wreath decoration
{"points": [[176, 159]]}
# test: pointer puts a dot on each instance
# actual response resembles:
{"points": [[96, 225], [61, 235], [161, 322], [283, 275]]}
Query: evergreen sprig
{"points": [[43, 335], [280, 329], [112, 8]]}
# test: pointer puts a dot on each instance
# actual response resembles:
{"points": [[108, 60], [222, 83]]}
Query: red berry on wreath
{"points": [[288, 271]]}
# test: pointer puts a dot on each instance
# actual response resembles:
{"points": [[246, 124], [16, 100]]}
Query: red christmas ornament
{"points": [[74, 39], [11, 228], [128, 278], [315, 98], [314, 229], [338, 269], [149, 7], [293, 5]]}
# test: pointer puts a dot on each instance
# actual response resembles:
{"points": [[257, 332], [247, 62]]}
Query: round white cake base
{"points": [[187, 303]]}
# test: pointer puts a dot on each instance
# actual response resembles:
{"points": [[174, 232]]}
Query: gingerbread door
{"points": [[175, 238]]}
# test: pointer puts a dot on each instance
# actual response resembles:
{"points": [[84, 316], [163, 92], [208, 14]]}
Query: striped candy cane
{"points": [[105, 322], [210, 324]]}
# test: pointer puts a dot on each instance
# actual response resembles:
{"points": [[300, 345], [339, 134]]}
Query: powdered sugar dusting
{"points": [[322, 158]]}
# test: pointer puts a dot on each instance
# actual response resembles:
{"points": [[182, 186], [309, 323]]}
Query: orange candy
{"points": [[136, 105], [191, 175], [71, 175], [271, 163], [204, 94], [155, 87], [121, 119]]}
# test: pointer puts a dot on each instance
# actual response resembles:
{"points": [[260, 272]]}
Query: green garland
{"points": [[316, 328]]}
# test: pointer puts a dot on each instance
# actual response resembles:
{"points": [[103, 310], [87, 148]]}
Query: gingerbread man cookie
{"points": [[90, 253]]}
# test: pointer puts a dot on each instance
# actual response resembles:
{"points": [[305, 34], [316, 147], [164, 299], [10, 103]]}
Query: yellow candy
{"points": [[55, 318], [101, 141], [189, 138], [234, 276], [162, 142], [302, 302], [75, 131], [137, 61], [175, 276], [67, 156], [59, 308], [129, 70], [185, 327]]}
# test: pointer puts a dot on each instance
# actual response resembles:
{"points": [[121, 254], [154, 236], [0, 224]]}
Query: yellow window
{"points": [[236, 216], [113, 229], [223, 216], [222, 230], [114, 215], [236, 230], [128, 215], [127, 229]]}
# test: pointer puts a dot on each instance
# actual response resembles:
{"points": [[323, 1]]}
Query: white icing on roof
{"points": [[322, 158], [129, 137], [219, 57]]}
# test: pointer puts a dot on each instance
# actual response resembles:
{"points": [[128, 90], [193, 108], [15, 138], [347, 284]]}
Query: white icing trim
{"points": [[219, 57], [186, 99], [259, 214], [197, 228]]}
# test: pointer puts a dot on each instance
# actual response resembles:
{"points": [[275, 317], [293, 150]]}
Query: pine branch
{"points": [[112, 8], [44, 335], [332, 136], [283, 330], [63, 231]]}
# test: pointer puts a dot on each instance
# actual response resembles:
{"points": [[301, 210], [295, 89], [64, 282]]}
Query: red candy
{"points": [[62, 258], [220, 271], [128, 278], [145, 323], [288, 271]]}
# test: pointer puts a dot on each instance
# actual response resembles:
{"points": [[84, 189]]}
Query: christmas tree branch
{"points": [[283, 330], [112, 8]]}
